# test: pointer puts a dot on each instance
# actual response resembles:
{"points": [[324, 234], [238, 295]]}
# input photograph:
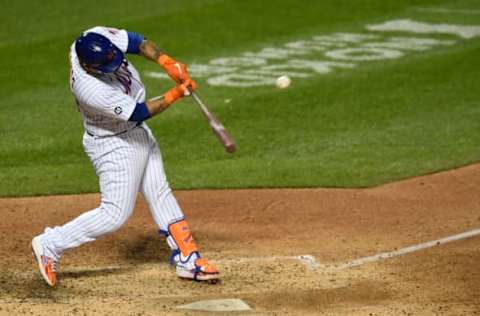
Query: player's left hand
{"points": [[177, 71], [179, 91]]}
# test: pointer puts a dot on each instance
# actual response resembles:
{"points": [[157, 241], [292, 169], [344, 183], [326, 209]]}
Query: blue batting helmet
{"points": [[98, 52]]}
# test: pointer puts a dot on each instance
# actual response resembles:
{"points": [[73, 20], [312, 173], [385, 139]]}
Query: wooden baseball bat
{"points": [[215, 124]]}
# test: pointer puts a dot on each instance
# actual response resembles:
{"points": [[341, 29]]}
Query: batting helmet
{"points": [[98, 53]]}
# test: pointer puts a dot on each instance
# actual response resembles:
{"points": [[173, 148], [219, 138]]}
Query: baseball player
{"points": [[111, 99]]}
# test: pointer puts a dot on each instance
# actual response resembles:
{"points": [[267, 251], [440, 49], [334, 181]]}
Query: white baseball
{"points": [[283, 81]]}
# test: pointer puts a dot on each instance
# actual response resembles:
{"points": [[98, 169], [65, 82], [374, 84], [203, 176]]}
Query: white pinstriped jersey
{"points": [[107, 101]]}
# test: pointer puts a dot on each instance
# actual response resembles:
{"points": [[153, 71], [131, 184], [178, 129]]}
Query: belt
{"points": [[120, 133]]}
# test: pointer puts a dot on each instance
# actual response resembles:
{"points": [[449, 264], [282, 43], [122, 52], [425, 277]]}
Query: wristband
{"points": [[172, 95]]}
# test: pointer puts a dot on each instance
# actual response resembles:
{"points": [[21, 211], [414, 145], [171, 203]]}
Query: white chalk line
{"points": [[448, 11], [406, 250], [312, 263]]}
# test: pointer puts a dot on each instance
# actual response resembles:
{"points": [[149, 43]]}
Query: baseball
{"points": [[283, 81]]}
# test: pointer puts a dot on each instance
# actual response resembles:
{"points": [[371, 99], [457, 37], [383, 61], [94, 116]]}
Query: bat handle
{"points": [[195, 96]]}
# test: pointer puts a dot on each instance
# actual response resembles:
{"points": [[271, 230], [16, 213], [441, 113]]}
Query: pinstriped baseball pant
{"points": [[125, 164]]}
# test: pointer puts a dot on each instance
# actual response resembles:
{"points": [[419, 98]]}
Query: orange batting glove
{"points": [[177, 71], [179, 91]]}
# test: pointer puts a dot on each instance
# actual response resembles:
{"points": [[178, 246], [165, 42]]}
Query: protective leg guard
{"points": [[182, 236], [185, 256]]}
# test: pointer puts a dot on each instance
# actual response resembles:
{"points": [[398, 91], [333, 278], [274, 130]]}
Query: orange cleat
{"points": [[47, 265]]}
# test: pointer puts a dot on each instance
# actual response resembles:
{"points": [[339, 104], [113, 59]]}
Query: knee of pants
{"points": [[154, 193], [115, 216], [164, 189]]}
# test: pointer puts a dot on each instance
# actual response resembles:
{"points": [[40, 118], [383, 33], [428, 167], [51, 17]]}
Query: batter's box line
{"points": [[312, 263]]}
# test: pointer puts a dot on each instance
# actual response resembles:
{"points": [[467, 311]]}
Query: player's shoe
{"points": [[194, 267], [47, 265]]}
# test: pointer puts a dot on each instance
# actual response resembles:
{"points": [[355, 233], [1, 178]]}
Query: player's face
{"points": [[93, 69]]}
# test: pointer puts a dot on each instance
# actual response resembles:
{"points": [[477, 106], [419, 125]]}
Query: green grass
{"points": [[379, 122]]}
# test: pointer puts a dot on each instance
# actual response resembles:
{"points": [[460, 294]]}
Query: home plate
{"points": [[227, 305]]}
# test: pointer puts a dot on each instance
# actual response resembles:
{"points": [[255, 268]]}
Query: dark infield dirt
{"points": [[252, 235]]}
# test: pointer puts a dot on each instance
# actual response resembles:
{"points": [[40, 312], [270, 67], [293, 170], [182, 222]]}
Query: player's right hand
{"points": [[177, 71], [179, 91]]}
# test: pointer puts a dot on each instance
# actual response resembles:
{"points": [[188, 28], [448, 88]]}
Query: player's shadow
{"points": [[145, 249], [93, 272]]}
